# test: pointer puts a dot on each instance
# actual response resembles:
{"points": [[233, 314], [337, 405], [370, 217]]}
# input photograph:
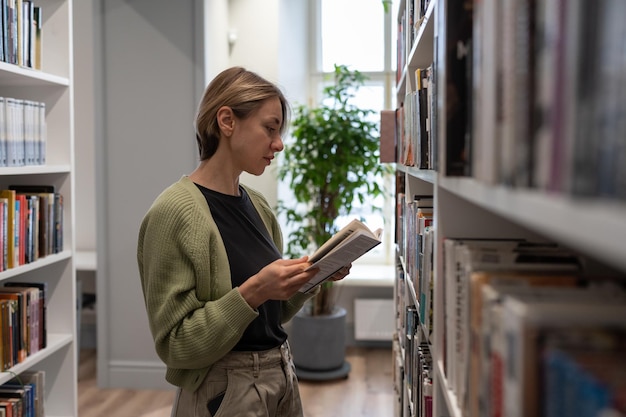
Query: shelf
{"points": [[25, 77], [421, 52], [39, 263], [593, 226], [55, 342], [426, 175], [409, 284], [35, 170], [450, 397]]}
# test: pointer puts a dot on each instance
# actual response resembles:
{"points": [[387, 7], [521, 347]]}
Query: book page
{"points": [[340, 236], [348, 250]]}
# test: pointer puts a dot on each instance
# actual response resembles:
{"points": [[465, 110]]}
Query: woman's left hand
{"points": [[342, 273]]}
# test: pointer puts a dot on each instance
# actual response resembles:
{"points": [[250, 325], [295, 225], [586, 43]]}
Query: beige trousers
{"points": [[245, 384]]}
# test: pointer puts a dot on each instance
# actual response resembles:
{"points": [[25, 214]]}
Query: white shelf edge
{"points": [[421, 52], [17, 75], [411, 286], [41, 262], [35, 169], [423, 41], [450, 397], [595, 227], [426, 175], [56, 341]]}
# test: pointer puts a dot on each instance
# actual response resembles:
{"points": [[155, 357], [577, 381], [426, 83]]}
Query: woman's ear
{"points": [[226, 120]]}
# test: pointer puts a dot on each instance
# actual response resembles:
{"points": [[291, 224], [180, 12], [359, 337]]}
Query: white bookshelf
{"points": [[52, 85], [469, 207]]}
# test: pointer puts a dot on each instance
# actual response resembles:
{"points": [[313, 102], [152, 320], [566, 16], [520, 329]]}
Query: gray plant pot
{"points": [[318, 345]]}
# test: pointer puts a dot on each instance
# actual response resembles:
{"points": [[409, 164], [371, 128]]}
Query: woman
{"points": [[216, 288]]}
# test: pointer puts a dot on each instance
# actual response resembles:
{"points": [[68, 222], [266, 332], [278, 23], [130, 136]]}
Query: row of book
{"points": [[31, 224], [525, 330], [409, 20], [415, 245], [23, 396], [542, 88], [415, 125], [503, 299], [534, 97], [20, 34], [23, 326], [583, 372], [22, 132], [398, 340], [413, 379], [418, 366], [414, 216]]}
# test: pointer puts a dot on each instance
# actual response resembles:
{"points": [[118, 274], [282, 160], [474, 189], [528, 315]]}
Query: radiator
{"points": [[373, 319]]}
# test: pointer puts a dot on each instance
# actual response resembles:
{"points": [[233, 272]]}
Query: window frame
{"points": [[385, 78]]}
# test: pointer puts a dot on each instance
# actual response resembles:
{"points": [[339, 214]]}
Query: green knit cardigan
{"points": [[195, 315]]}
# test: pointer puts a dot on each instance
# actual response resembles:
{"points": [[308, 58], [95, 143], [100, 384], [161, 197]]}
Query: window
{"points": [[358, 34], [352, 33]]}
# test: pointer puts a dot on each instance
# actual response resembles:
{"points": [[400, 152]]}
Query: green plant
{"points": [[331, 163], [386, 5]]}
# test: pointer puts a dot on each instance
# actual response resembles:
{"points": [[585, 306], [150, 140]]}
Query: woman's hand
{"points": [[279, 280], [342, 273]]}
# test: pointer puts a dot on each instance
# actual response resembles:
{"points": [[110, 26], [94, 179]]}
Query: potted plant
{"points": [[330, 164]]}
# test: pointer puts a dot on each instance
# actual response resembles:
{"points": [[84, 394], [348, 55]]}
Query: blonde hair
{"points": [[244, 92]]}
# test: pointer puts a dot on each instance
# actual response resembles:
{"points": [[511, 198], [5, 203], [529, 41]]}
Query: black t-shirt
{"points": [[249, 248]]}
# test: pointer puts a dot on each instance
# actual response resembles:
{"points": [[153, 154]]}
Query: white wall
{"points": [[151, 81], [248, 20], [84, 126]]}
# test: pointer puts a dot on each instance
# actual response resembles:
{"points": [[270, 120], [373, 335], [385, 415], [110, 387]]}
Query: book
{"points": [[422, 84], [8, 312], [21, 396], [345, 247], [583, 370], [20, 228], [387, 136], [10, 231], [36, 379], [42, 306], [15, 342], [466, 256], [513, 280], [37, 25], [457, 85], [3, 132], [526, 317], [4, 226], [46, 235], [486, 46]]}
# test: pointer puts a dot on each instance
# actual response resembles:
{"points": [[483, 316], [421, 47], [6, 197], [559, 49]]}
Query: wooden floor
{"points": [[367, 392]]}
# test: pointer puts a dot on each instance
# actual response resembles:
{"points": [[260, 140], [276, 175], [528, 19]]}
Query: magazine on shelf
{"points": [[343, 248]]}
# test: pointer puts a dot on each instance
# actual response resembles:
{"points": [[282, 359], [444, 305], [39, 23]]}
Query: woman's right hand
{"points": [[279, 280]]}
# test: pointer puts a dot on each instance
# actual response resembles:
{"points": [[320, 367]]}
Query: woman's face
{"points": [[256, 139]]}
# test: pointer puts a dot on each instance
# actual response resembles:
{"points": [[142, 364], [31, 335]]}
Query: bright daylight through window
{"points": [[357, 34]]}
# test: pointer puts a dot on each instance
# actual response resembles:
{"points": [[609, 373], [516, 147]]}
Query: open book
{"points": [[346, 246]]}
